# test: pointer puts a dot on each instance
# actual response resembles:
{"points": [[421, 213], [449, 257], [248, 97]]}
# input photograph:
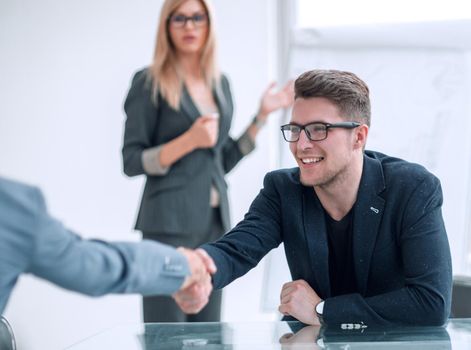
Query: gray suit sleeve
{"points": [[140, 124], [96, 267], [245, 143], [234, 150], [151, 161]]}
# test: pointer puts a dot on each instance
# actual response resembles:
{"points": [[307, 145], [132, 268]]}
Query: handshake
{"points": [[194, 293]]}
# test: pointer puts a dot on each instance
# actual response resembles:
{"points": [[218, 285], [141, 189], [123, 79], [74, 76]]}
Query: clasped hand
{"points": [[204, 131], [195, 290]]}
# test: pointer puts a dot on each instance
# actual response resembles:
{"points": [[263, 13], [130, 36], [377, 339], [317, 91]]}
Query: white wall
{"points": [[65, 67]]}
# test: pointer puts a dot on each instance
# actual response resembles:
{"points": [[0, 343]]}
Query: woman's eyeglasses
{"points": [[179, 21]]}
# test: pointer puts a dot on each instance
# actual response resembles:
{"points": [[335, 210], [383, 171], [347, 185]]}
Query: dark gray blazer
{"points": [[177, 202], [401, 254]]}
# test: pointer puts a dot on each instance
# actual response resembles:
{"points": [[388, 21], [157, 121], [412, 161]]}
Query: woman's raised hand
{"points": [[272, 101]]}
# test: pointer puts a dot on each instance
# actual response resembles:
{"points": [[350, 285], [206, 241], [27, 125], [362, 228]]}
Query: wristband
{"points": [[258, 122]]}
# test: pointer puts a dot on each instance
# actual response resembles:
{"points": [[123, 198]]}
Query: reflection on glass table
{"points": [[275, 335]]}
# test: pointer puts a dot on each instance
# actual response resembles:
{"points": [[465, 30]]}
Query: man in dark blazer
{"points": [[363, 232]]}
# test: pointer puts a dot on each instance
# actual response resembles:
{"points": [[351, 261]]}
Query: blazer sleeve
{"points": [[96, 267], [140, 123], [426, 296], [232, 154], [243, 247]]}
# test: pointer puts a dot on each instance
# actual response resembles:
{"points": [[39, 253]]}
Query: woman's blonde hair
{"points": [[164, 73]]}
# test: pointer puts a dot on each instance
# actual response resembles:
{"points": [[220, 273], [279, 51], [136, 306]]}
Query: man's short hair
{"points": [[344, 89]]}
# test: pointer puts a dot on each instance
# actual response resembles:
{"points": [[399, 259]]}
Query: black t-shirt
{"points": [[341, 269]]}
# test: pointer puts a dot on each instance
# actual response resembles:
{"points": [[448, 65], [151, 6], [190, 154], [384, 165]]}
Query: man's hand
{"points": [[299, 300], [195, 290], [194, 297], [200, 264]]}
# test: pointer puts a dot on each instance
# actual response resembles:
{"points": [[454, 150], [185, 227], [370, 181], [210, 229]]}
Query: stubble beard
{"points": [[328, 180]]}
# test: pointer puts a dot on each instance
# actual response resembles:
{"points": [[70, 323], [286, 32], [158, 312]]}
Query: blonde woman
{"points": [[179, 113]]}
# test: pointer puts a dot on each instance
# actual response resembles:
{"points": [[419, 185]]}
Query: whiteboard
{"points": [[421, 112]]}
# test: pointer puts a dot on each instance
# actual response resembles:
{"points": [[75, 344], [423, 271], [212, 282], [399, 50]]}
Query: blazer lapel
{"points": [[190, 110], [220, 99], [316, 237], [368, 212], [187, 106]]}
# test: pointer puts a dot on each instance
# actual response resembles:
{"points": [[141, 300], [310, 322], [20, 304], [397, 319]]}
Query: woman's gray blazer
{"points": [[177, 202]]}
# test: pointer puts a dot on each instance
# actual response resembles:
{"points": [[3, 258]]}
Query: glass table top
{"points": [[275, 335]]}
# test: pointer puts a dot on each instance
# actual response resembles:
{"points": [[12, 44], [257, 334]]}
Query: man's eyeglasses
{"points": [[316, 131], [179, 21]]}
